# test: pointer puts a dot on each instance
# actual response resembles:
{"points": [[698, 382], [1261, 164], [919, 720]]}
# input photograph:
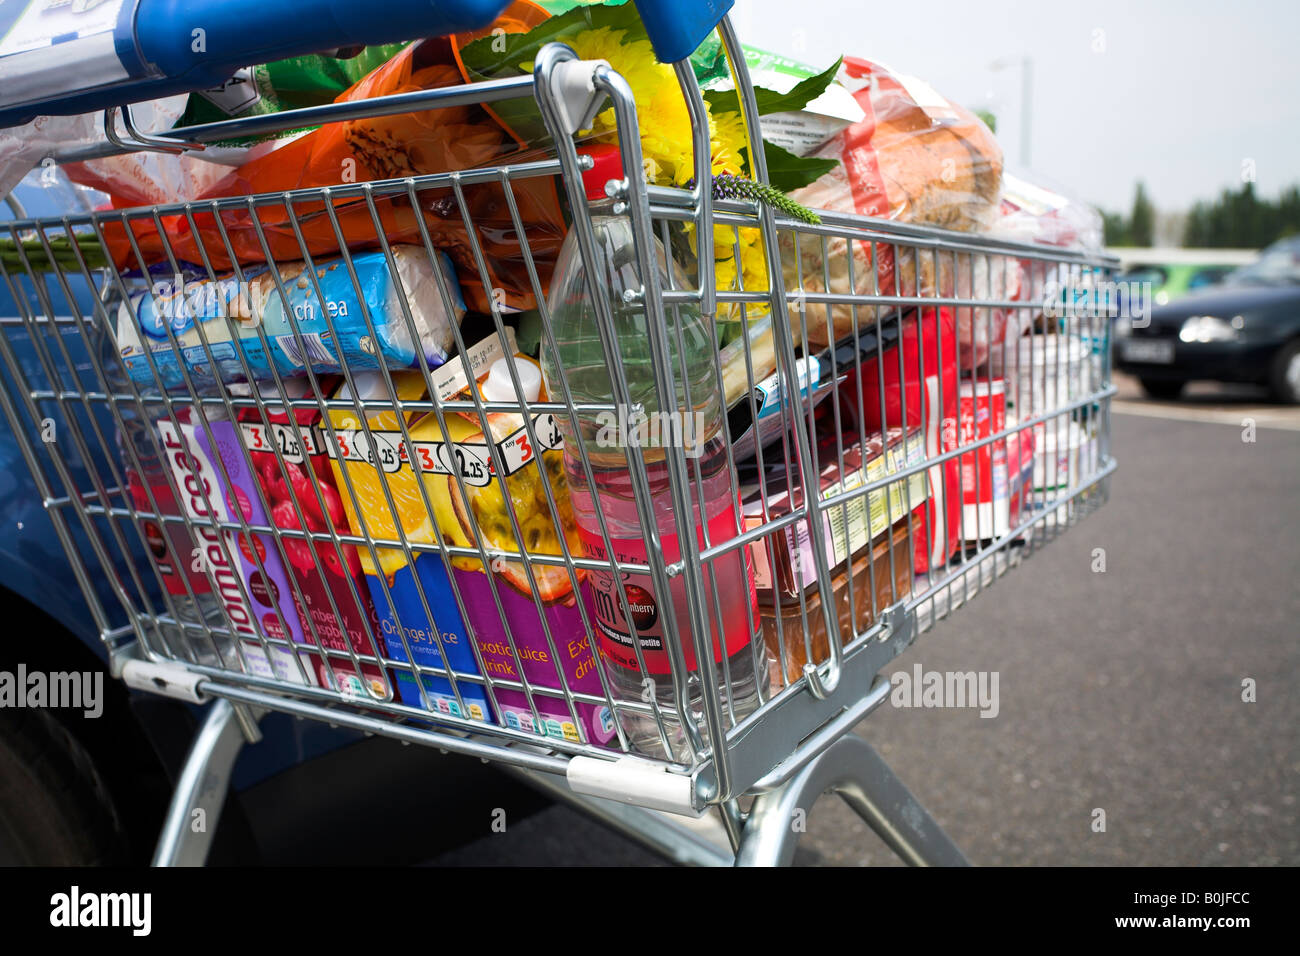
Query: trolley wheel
{"points": [[54, 807], [1162, 388]]}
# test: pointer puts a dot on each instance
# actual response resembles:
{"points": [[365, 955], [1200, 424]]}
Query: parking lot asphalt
{"points": [[1120, 691]]}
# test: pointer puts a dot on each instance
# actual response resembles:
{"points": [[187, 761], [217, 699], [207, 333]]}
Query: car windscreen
{"points": [[1156, 275], [1279, 264]]}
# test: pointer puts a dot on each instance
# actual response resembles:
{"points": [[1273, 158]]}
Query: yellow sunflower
{"points": [[665, 127]]}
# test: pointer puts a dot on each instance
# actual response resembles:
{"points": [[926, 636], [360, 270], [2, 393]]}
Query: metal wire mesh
{"points": [[302, 505]]}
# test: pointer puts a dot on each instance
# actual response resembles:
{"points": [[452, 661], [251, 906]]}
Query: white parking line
{"points": [[1264, 418]]}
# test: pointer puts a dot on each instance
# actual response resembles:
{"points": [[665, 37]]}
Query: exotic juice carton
{"points": [[367, 466], [321, 571], [265, 599], [515, 639]]}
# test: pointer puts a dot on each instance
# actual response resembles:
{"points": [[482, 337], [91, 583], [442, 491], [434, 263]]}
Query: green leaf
{"points": [[770, 101], [484, 60], [722, 101], [803, 93], [788, 172]]}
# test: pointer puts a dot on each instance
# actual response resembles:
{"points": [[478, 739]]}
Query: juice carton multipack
{"points": [[333, 599], [366, 461], [511, 641], [552, 599]]}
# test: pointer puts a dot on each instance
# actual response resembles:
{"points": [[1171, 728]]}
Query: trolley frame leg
{"points": [[851, 768], [683, 840], [203, 785]]}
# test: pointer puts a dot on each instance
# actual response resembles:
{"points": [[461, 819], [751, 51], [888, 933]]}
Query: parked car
{"points": [[1174, 280], [1246, 329]]}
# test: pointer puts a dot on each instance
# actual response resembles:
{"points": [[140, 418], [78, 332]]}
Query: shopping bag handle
{"points": [[78, 59], [678, 27]]}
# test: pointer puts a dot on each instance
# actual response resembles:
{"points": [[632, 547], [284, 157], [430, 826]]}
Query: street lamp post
{"points": [[1026, 102]]}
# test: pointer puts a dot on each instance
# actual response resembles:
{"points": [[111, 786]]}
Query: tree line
{"points": [[1237, 219]]}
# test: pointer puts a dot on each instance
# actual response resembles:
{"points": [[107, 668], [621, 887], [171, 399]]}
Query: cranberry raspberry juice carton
{"points": [[335, 600]]}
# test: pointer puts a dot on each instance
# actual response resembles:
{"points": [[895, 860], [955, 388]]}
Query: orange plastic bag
{"points": [[410, 144]]}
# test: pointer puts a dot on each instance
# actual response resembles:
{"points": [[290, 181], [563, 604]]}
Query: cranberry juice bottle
{"points": [[628, 609]]}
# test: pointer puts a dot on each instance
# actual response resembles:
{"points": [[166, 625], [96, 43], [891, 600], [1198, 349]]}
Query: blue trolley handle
{"points": [[63, 57], [677, 27]]}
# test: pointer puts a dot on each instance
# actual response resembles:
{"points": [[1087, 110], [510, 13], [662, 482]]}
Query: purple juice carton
{"points": [[515, 639], [576, 662]]}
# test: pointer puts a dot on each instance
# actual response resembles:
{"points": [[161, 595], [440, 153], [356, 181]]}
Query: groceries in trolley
{"points": [[292, 318], [536, 568]]}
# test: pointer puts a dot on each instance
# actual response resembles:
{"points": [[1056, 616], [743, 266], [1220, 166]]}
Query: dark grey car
{"points": [[1245, 330]]}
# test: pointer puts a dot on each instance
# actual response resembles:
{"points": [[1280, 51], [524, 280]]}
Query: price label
{"points": [[296, 443], [386, 450]]}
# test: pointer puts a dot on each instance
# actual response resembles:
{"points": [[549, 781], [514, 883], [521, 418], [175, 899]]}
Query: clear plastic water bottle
{"points": [[697, 422]]}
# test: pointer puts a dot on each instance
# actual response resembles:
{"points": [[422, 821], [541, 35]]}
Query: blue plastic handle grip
{"points": [[179, 46], [678, 27], [244, 32]]}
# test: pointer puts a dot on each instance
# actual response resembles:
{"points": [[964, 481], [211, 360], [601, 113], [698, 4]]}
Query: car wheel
{"points": [[1162, 388], [54, 807], [1285, 379]]}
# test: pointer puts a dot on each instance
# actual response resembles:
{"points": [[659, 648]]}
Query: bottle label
{"points": [[732, 608]]}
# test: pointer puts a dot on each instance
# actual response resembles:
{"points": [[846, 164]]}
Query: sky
{"points": [[1188, 96]]}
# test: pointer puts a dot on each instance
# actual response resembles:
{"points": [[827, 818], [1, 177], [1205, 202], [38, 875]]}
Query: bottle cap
{"points": [[294, 388], [370, 384], [608, 165], [497, 387]]}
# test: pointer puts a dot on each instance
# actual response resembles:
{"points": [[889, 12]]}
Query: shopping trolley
{"points": [[895, 475]]}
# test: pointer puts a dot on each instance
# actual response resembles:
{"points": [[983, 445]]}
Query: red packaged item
{"points": [[930, 393], [327, 574], [985, 485], [1020, 469]]}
